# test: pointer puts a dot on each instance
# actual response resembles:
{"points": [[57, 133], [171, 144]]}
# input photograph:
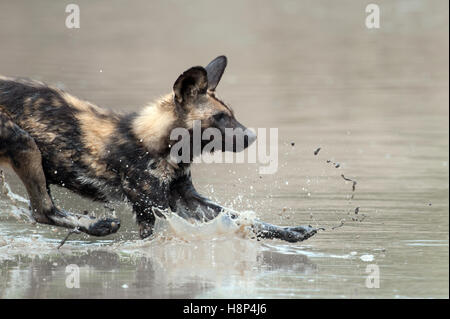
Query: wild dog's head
{"points": [[194, 107], [197, 103]]}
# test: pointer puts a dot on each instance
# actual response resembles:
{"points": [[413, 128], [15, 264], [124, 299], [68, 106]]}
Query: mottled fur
{"points": [[51, 137]]}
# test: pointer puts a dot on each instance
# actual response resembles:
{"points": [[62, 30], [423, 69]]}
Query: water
{"points": [[375, 101]]}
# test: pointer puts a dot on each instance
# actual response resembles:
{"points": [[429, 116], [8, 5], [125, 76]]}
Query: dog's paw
{"points": [[103, 226], [96, 226], [298, 233], [145, 229]]}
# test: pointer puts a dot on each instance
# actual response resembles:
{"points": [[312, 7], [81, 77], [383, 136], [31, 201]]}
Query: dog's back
{"points": [[71, 134]]}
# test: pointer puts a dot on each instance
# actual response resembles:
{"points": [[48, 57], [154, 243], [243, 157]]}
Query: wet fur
{"points": [[108, 156]]}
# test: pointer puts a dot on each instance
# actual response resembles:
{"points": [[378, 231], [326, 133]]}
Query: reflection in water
{"points": [[374, 101], [148, 270], [182, 260]]}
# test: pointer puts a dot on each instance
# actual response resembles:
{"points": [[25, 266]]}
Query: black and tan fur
{"points": [[50, 137]]}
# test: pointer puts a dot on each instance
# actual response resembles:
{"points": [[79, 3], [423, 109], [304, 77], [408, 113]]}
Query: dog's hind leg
{"points": [[19, 150]]}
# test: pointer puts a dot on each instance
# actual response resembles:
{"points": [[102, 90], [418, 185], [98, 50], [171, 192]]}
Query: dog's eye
{"points": [[219, 116]]}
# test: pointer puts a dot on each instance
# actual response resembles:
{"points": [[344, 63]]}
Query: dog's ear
{"points": [[215, 70], [190, 84]]}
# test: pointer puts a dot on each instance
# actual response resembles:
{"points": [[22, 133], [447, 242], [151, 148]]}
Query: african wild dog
{"points": [[50, 137]]}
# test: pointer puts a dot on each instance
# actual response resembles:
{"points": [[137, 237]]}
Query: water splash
{"points": [[16, 205], [223, 226]]}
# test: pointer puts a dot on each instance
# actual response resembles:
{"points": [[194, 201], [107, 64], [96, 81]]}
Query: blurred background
{"points": [[374, 100]]}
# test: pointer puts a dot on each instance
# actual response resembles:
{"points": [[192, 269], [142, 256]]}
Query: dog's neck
{"points": [[153, 125]]}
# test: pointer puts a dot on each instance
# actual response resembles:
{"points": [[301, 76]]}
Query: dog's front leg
{"points": [[145, 216], [148, 195], [188, 203], [290, 234], [263, 229]]}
